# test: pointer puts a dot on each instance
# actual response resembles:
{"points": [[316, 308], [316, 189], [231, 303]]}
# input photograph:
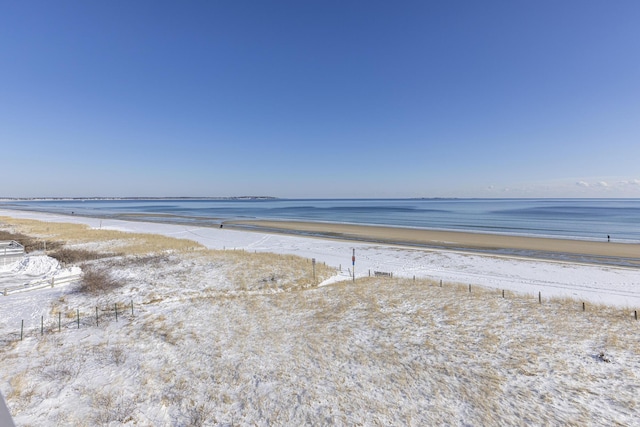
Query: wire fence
{"points": [[70, 320]]}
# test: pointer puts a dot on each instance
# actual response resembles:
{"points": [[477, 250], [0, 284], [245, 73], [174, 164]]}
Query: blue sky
{"points": [[320, 98]]}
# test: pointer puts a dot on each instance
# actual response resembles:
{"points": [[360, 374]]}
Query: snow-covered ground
{"points": [[596, 284], [210, 343], [32, 271]]}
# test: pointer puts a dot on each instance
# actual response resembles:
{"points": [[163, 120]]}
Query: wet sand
{"points": [[566, 249]]}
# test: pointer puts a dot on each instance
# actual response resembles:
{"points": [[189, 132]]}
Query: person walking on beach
{"points": [[608, 238]]}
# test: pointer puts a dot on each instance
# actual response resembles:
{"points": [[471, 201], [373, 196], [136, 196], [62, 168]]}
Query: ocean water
{"points": [[583, 219]]}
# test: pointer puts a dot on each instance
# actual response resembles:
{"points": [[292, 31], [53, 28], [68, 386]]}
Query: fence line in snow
{"points": [[70, 320], [10, 252], [41, 284]]}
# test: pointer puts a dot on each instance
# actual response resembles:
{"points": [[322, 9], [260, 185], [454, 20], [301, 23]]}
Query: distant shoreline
{"points": [[79, 199], [96, 198]]}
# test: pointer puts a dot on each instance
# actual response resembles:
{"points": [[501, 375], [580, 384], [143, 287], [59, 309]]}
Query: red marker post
{"points": [[353, 263]]}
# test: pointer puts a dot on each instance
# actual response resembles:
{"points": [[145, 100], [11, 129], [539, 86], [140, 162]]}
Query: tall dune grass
{"points": [[126, 243]]}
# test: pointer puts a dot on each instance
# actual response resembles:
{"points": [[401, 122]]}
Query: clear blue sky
{"points": [[320, 98]]}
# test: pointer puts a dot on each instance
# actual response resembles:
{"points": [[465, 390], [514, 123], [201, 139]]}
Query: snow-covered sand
{"points": [[206, 348], [585, 282]]}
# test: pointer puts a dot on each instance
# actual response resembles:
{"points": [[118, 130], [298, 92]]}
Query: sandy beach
{"points": [[599, 252]]}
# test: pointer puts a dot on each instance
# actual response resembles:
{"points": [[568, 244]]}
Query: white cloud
{"points": [[580, 186]]}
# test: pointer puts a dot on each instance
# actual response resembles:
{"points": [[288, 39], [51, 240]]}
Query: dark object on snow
{"points": [[5, 415]]}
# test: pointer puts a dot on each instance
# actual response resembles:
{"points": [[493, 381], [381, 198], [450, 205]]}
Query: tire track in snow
{"points": [[260, 241]]}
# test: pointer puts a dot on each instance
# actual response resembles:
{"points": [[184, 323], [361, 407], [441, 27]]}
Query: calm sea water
{"points": [[590, 219]]}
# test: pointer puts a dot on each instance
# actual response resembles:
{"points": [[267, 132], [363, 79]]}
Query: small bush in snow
{"points": [[96, 282], [118, 354], [113, 408]]}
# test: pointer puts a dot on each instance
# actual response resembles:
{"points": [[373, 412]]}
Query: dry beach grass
{"points": [[77, 234], [233, 337]]}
